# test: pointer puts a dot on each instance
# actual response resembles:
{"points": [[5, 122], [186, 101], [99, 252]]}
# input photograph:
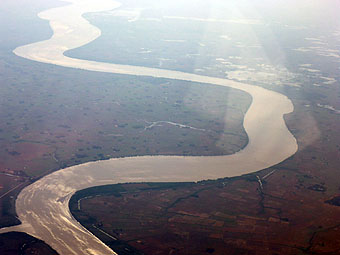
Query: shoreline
{"points": [[43, 208]]}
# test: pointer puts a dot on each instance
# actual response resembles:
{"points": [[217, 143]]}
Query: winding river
{"points": [[42, 207]]}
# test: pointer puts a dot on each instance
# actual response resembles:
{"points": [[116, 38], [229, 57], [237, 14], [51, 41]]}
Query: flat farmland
{"points": [[290, 208]]}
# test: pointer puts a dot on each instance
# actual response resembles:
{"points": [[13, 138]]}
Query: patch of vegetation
{"points": [[21, 243], [334, 201]]}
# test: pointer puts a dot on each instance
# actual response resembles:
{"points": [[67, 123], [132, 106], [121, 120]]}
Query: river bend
{"points": [[42, 207]]}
